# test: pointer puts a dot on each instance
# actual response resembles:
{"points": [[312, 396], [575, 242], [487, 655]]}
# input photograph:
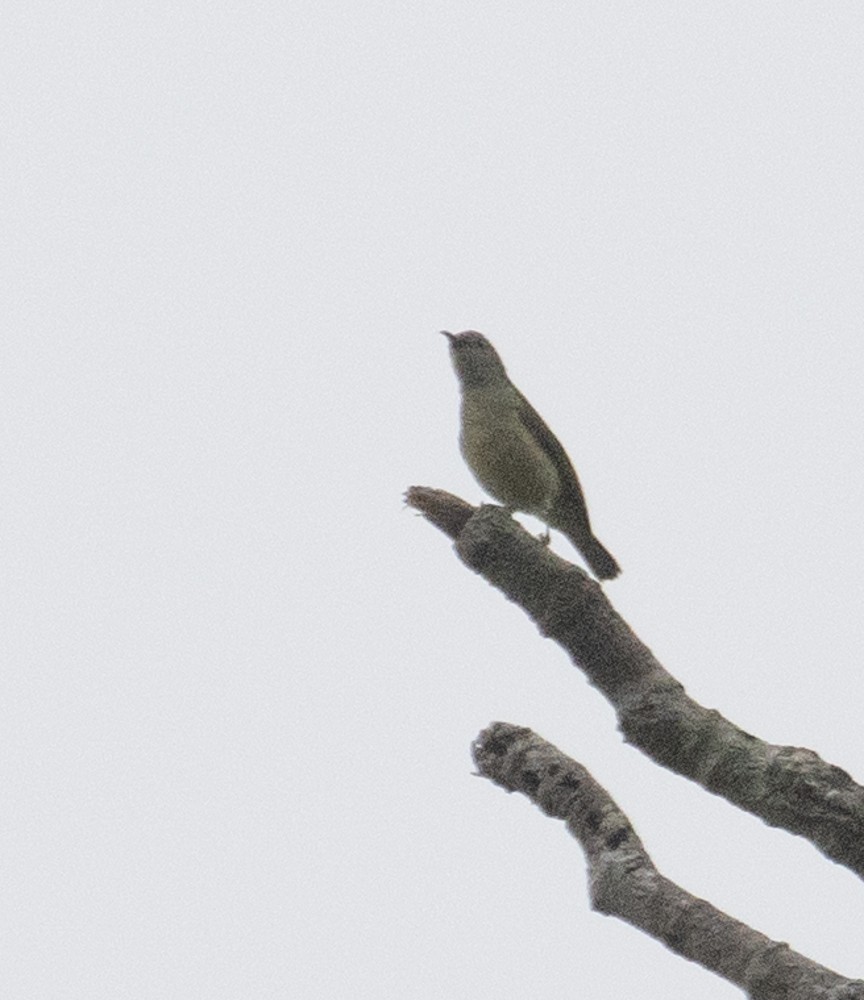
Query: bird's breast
{"points": [[503, 455]]}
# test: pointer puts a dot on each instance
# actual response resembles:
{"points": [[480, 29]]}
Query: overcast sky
{"points": [[240, 680]]}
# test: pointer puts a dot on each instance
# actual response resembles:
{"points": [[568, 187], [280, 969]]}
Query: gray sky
{"points": [[240, 680]]}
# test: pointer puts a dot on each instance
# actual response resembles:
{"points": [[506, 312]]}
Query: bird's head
{"points": [[476, 361]]}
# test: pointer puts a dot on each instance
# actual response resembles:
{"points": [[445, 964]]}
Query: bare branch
{"points": [[624, 882], [447, 512], [788, 787]]}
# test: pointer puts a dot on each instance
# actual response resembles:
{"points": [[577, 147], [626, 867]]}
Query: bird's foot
{"points": [[545, 538]]}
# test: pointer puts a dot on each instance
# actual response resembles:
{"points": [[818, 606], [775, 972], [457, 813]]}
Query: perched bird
{"points": [[513, 454]]}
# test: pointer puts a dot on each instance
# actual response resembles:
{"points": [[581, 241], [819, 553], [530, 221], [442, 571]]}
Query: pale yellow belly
{"points": [[506, 460]]}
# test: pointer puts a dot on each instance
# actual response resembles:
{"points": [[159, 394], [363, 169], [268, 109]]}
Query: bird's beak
{"points": [[446, 333]]}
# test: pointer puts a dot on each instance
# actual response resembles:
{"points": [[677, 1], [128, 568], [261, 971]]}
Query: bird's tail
{"points": [[602, 562]]}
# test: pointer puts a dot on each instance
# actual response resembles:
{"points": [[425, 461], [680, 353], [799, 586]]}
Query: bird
{"points": [[513, 454]]}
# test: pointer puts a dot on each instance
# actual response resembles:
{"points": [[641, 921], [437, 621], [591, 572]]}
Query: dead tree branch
{"points": [[623, 881], [787, 787]]}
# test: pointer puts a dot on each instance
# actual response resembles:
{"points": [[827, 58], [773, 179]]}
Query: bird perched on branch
{"points": [[513, 454]]}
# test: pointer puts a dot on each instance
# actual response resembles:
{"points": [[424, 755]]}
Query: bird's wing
{"points": [[568, 479]]}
